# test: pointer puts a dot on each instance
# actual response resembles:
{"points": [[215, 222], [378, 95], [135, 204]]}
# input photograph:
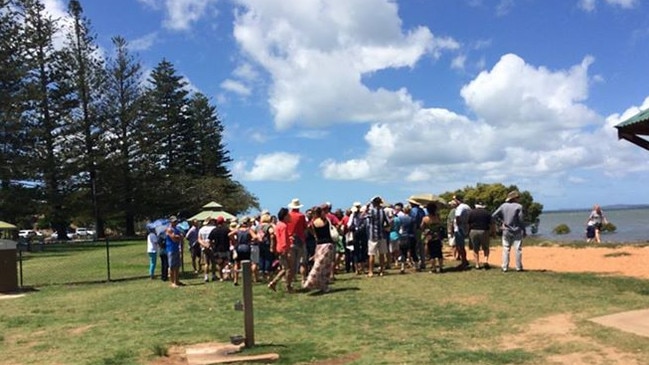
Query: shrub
{"points": [[608, 227], [561, 229]]}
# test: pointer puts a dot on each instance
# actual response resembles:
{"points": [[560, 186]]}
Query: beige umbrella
{"points": [[425, 198], [212, 210]]}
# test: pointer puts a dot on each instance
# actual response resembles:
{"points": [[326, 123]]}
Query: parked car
{"points": [[29, 233], [82, 232], [55, 236]]}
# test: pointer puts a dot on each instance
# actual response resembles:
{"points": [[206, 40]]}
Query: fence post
{"points": [[248, 318], [107, 259], [20, 265]]}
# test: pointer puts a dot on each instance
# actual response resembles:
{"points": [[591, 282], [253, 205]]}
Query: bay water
{"points": [[632, 225]]}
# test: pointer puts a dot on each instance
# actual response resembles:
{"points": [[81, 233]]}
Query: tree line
{"points": [[86, 139]]}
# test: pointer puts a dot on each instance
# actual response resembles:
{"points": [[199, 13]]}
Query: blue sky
{"points": [[340, 100]]}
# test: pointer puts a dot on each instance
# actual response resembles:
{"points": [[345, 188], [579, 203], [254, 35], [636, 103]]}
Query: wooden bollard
{"points": [[248, 317]]}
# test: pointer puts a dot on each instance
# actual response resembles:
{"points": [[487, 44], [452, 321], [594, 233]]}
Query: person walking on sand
{"points": [[596, 220], [510, 213]]}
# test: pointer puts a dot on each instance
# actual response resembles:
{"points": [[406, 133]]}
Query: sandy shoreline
{"points": [[623, 260]]}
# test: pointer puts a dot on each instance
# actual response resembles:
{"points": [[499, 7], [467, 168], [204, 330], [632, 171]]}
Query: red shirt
{"points": [[333, 219], [283, 244], [297, 225]]}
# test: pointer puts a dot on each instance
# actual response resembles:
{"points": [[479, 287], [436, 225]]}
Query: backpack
{"points": [[162, 240]]}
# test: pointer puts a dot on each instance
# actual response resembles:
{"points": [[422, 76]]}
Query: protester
{"points": [[479, 232], [510, 213]]}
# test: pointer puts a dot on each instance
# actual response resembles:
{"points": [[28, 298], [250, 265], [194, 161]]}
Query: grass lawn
{"points": [[473, 317]]}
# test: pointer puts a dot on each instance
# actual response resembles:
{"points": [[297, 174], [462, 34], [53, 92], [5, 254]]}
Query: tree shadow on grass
{"points": [[333, 291]]}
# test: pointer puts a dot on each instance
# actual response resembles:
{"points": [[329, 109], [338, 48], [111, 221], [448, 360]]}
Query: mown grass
{"points": [[417, 318]]}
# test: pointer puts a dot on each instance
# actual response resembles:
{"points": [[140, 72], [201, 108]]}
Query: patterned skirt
{"points": [[319, 275]]}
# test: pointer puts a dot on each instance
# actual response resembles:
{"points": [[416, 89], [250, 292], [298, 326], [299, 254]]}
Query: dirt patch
{"points": [[349, 358], [175, 356], [80, 330], [624, 261], [558, 332]]}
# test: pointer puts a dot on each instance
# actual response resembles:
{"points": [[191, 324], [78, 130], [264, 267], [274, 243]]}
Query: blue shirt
{"points": [[171, 245]]}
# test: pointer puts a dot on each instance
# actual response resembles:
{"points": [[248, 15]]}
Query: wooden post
{"points": [[248, 318]]}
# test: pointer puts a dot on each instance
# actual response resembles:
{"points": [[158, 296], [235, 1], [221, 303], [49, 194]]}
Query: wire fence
{"points": [[77, 262]]}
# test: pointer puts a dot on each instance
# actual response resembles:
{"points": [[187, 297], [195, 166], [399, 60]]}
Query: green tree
{"points": [[122, 102], [493, 195], [48, 104], [86, 72], [205, 138], [12, 130]]}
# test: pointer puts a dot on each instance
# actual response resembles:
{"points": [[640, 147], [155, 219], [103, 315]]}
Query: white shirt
{"points": [[152, 243]]}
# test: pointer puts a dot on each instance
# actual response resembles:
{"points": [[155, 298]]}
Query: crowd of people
{"points": [[311, 247]]}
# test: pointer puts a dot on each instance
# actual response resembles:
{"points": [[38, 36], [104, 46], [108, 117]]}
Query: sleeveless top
{"points": [[434, 229], [322, 234], [243, 240]]}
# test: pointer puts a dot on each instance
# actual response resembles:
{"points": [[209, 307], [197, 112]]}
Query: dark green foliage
{"points": [[561, 229], [608, 227], [95, 145], [493, 195]]}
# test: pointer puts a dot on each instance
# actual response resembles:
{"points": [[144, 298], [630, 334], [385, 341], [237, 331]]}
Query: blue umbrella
{"points": [[158, 225]]}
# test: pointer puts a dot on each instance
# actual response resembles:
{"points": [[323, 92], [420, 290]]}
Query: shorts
{"points": [[208, 255], [393, 246], [195, 249], [242, 253], [174, 259], [479, 239], [434, 249], [223, 256], [254, 254], [379, 247]]}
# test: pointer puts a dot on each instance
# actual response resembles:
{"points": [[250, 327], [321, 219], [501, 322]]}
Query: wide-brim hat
{"points": [[513, 195], [294, 204], [357, 204]]}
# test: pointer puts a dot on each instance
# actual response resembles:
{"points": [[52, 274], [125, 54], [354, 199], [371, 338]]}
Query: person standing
{"points": [[220, 243], [479, 231], [450, 227], [461, 230], [243, 238], [173, 242], [596, 219], [377, 244], [280, 244], [297, 234], [152, 251], [417, 214], [320, 274], [431, 231], [194, 247], [205, 246], [510, 213]]}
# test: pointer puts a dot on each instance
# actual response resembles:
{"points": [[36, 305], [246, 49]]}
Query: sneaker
{"points": [[486, 266], [505, 269], [519, 269]]}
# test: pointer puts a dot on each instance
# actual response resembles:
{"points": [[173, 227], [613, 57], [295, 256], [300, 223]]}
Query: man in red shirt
{"points": [[297, 235]]}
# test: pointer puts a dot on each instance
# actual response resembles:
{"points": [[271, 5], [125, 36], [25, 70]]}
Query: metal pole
{"points": [[107, 260], [248, 318], [20, 264]]}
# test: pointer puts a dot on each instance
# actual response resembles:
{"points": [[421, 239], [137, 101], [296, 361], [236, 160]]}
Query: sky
{"points": [[341, 100]]}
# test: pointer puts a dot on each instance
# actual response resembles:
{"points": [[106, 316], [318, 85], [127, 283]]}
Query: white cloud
{"points": [[590, 5], [236, 87], [530, 125], [181, 14], [314, 49], [246, 72], [143, 43], [458, 62], [278, 166]]}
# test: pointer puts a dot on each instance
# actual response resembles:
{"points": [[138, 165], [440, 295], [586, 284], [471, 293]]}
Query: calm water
{"points": [[632, 225]]}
